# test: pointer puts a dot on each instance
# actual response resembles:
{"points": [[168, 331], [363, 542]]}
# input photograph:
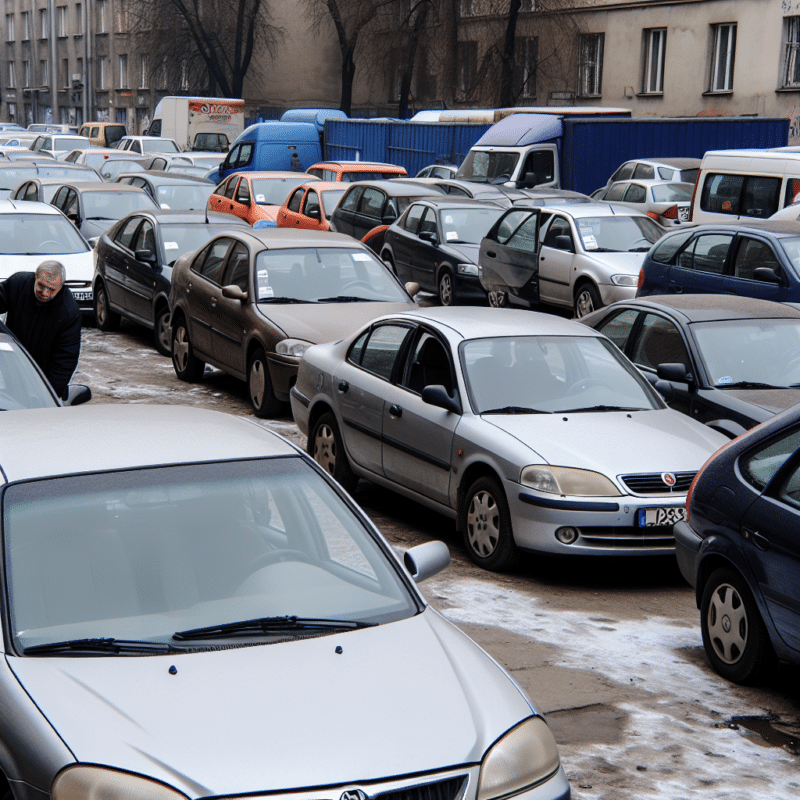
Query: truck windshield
{"points": [[481, 166]]}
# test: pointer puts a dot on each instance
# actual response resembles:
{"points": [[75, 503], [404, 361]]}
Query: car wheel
{"points": [[734, 635], [187, 366], [446, 288], [587, 300], [498, 299], [106, 319], [326, 448], [161, 332], [259, 387], [485, 522]]}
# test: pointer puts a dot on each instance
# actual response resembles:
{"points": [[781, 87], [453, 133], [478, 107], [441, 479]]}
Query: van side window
{"points": [[747, 195], [540, 164], [245, 155], [760, 196], [707, 253]]}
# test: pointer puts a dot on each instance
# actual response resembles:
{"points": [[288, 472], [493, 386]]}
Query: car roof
{"points": [[143, 436], [171, 215], [159, 178], [594, 209], [282, 174], [27, 207], [776, 227], [459, 202], [278, 238], [101, 186], [676, 162], [357, 166], [399, 188], [652, 182]]}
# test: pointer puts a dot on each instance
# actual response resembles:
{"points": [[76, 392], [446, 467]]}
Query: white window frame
{"points": [[61, 21], [590, 64], [10, 28], [122, 63], [26, 26], [101, 16], [12, 76], [44, 72], [790, 74], [723, 55], [655, 48], [44, 24], [143, 73], [102, 70]]}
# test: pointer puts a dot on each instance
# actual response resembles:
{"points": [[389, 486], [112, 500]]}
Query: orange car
{"points": [[309, 206], [255, 196], [355, 171]]}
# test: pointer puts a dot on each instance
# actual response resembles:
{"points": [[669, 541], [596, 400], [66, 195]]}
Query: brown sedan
{"points": [[252, 301]]}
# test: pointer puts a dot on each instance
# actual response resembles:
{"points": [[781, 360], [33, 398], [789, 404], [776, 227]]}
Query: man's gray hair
{"points": [[55, 269]]}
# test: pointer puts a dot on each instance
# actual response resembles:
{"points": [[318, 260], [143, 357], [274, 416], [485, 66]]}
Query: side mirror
{"points": [[313, 213], [436, 395], [146, 256], [77, 393], [766, 275], [564, 242], [677, 373], [93, 242], [233, 292], [412, 287], [429, 236], [426, 560]]}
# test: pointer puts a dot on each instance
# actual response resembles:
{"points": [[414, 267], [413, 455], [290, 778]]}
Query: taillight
{"points": [[641, 278], [653, 215], [694, 192], [671, 213]]}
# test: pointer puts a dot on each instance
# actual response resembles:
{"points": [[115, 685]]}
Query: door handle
{"points": [[491, 254], [343, 386], [395, 411], [761, 542]]}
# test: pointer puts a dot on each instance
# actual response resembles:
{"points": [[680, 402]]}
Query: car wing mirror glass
{"points": [[428, 236], [673, 372], [436, 395], [234, 292], [146, 256], [766, 275], [77, 393], [412, 287]]}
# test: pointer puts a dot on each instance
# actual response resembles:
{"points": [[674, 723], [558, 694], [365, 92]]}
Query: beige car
{"points": [[252, 301], [103, 134]]}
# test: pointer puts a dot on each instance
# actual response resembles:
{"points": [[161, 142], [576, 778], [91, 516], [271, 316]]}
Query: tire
{"points": [[259, 387], [485, 523], [325, 446], [106, 319], [587, 299], [498, 299], [187, 366], [734, 635], [161, 332], [446, 288]]}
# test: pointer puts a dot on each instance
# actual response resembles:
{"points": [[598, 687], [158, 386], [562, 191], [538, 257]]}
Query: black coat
{"points": [[50, 332]]}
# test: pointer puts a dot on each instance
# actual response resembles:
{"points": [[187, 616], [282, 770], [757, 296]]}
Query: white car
{"points": [[666, 202], [32, 232], [148, 145], [58, 145]]}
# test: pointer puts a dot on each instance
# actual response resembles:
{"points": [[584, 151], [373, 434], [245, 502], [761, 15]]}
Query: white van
{"points": [[745, 184]]}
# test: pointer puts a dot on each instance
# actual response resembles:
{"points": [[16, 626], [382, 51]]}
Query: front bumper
{"points": [[283, 374], [83, 294], [611, 293]]}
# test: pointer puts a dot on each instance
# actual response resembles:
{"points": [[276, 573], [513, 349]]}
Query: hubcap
{"points": [[180, 348], [257, 383], [483, 524], [101, 306], [584, 304], [325, 448], [727, 624], [163, 331], [446, 289]]}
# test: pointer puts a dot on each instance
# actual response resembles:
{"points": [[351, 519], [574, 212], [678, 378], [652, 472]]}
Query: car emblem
{"points": [[669, 479], [354, 794]]}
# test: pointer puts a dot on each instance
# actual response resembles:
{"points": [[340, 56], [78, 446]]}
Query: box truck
{"points": [[199, 123]]}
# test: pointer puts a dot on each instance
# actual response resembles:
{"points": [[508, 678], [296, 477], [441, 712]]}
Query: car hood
{"points": [[91, 228], [326, 322], [627, 263], [78, 266], [770, 400], [400, 698], [615, 442], [466, 251]]}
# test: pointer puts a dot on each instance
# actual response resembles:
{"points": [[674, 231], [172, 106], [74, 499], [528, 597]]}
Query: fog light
{"points": [[567, 535]]}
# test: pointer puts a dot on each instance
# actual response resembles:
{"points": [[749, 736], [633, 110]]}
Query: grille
{"points": [[450, 789], [628, 538], [652, 483]]}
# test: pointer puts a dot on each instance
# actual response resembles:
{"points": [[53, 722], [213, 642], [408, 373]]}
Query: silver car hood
{"points": [[626, 263], [78, 266], [401, 698], [613, 443]]}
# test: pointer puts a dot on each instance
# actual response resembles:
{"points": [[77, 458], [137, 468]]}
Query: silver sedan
{"points": [[532, 431]]}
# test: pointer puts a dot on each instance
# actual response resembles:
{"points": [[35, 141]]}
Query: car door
{"points": [[142, 271], [313, 217], [418, 437], [509, 254], [556, 261], [289, 215], [343, 217], [700, 266], [217, 197], [425, 253], [229, 318], [112, 263], [369, 213], [402, 239], [748, 254], [359, 385]]}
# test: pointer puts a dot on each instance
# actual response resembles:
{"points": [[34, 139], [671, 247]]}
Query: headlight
{"points": [[525, 756], [292, 347], [103, 783], [625, 280], [467, 269], [568, 481]]}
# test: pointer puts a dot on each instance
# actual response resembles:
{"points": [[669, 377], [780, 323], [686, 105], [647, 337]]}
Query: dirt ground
{"points": [[609, 649]]}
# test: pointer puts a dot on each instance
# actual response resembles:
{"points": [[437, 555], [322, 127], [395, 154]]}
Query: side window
{"points": [[618, 327], [294, 200], [71, 202], [209, 262], [526, 236], [243, 193], [232, 157], [380, 352], [429, 365], [412, 218], [789, 493], [792, 193], [539, 164], [312, 204], [752, 253], [558, 227], [230, 187], [125, 232], [721, 193], [350, 200], [659, 342], [624, 172], [316, 171], [371, 204], [616, 192], [707, 253], [760, 197], [145, 238], [643, 171], [31, 192], [158, 163], [635, 194], [457, 191], [330, 176], [428, 223], [58, 200], [758, 467], [667, 173], [665, 250], [238, 269], [357, 350], [245, 155]]}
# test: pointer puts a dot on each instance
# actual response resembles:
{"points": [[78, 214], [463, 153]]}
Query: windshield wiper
{"points": [[284, 300], [599, 408], [515, 410], [109, 645], [747, 385], [266, 625], [343, 298]]}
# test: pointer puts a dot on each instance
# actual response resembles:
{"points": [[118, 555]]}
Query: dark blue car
{"points": [[740, 549], [759, 259]]}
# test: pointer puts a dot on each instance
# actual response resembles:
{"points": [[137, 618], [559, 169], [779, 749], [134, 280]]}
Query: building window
{"points": [[590, 64], [525, 57], [9, 27], [123, 71], [79, 18], [26, 25], [44, 24], [43, 76], [467, 60], [26, 73], [121, 17], [791, 56], [101, 72], [61, 20], [655, 41], [101, 16], [466, 8], [12, 78], [722, 58], [79, 71], [63, 77], [143, 73]]}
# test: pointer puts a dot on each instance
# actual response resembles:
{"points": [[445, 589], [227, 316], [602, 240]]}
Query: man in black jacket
{"points": [[43, 315]]}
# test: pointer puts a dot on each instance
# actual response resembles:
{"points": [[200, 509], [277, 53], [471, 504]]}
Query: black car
{"points": [[731, 362], [740, 550], [134, 266], [436, 242], [169, 190]]}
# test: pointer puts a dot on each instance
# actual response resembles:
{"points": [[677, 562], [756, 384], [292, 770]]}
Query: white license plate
{"points": [[683, 214], [660, 517], [82, 295]]}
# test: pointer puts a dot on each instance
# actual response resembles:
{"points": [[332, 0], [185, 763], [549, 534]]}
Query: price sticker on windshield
{"points": [[451, 236], [264, 289], [589, 242], [260, 198], [171, 246]]}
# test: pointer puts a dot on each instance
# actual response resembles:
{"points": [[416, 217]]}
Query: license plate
{"points": [[82, 295], [660, 517], [683, 214]]}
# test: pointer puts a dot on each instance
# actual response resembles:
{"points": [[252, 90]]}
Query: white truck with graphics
{"points": [[199, 123]]}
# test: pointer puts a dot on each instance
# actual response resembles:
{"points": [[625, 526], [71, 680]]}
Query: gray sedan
{"points": [[532, 431], [199, 611]]}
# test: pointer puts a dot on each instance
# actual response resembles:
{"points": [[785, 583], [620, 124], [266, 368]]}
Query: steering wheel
{"points": [[586, 383], [354, 284], [48, 241]]}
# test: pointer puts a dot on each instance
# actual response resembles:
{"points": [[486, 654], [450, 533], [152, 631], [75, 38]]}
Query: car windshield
{"points": [[117, 166], [188, 169], [180, 238], [618, 234], [763, 351], [143, 554], [73, 173], [467, 225], [21, 386], [114, 205], [69, 143], [39, 234], [184, 197], [330, 199], [12, 177], [791, 246], [273, 191], [672, 192], [482, 167], [552, 374], [314, 274], [159, 146]]}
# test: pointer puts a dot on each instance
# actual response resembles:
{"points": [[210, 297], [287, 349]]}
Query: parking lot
{"points": [[610, 649]]}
